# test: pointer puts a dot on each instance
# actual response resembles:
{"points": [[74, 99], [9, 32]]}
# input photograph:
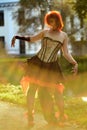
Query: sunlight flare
{"points": [[84, 99]]}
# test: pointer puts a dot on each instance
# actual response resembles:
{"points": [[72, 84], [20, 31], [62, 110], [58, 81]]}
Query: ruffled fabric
{"points": [[26, 80]]}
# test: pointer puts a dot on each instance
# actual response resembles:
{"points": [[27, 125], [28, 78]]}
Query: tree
{"points": [[25, 18], [80, 8], [31, 13]]}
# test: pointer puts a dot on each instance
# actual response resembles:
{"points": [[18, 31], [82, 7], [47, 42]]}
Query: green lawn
{"points": [[75, 107], [75, 87], [11, 70]]}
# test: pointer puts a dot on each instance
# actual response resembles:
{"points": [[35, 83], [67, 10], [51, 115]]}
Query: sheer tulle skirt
{"points": [[42, 74]]}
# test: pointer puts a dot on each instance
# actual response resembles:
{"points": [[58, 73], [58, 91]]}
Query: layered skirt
{"points": [[43, 74]]}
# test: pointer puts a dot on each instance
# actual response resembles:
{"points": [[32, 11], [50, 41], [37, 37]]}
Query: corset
{"points": [[49, 50]]}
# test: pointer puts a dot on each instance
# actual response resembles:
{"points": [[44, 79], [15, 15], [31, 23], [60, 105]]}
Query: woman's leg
{"points": [[47, 104], [30, 102], [59, 102]]}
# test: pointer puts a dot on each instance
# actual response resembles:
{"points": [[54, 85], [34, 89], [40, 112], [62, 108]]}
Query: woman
{"points": [[43, 70]]}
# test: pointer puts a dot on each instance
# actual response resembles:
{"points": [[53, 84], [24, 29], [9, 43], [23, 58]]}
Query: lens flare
{"points": [[84, 99]]}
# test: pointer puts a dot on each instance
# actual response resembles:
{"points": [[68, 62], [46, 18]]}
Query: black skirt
{"points": [[42, 73]]}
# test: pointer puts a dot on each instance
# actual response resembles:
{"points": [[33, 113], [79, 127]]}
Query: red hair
{"points": [[55, 15]]}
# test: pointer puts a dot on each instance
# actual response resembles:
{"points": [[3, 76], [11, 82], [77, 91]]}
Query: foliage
{"points": [[42, 6], [24, 15], [12, 93], [32, 3], [82, 62], [81, 8], [78, 9], [27, 22]]}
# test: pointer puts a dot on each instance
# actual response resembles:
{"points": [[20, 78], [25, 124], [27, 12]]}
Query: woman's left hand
{"points": [[75, 69]]}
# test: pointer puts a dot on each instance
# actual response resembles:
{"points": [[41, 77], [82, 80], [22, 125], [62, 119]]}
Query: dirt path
{"points": [[12, 118]]}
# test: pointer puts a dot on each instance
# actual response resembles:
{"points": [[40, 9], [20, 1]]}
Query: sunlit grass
{"points": [[75, 107], [11, 70], [12, 93], [75, 88], [77, 84], [77, 110]]}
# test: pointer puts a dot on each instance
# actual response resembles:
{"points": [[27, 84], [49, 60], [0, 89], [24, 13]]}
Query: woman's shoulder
{"points": [[44, 31], [63, 33]]}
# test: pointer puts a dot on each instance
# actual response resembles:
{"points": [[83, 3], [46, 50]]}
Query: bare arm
{"points": [[28, 38], [68, 56], [37, 37]]}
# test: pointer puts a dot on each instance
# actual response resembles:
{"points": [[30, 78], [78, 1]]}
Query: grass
{"points": [[77, 84], [76, 87], [11, 70], [12, 93], [77, 110], [75, 107]]}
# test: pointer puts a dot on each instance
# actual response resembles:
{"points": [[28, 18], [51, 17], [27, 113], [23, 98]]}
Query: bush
{"points": [[67, 67]]}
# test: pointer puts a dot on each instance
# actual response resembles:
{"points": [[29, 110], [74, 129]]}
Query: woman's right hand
{"points": [[13, 41], [75, 69]]}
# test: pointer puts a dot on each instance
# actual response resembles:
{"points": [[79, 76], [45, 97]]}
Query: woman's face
{"points": [[53, 23]]}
